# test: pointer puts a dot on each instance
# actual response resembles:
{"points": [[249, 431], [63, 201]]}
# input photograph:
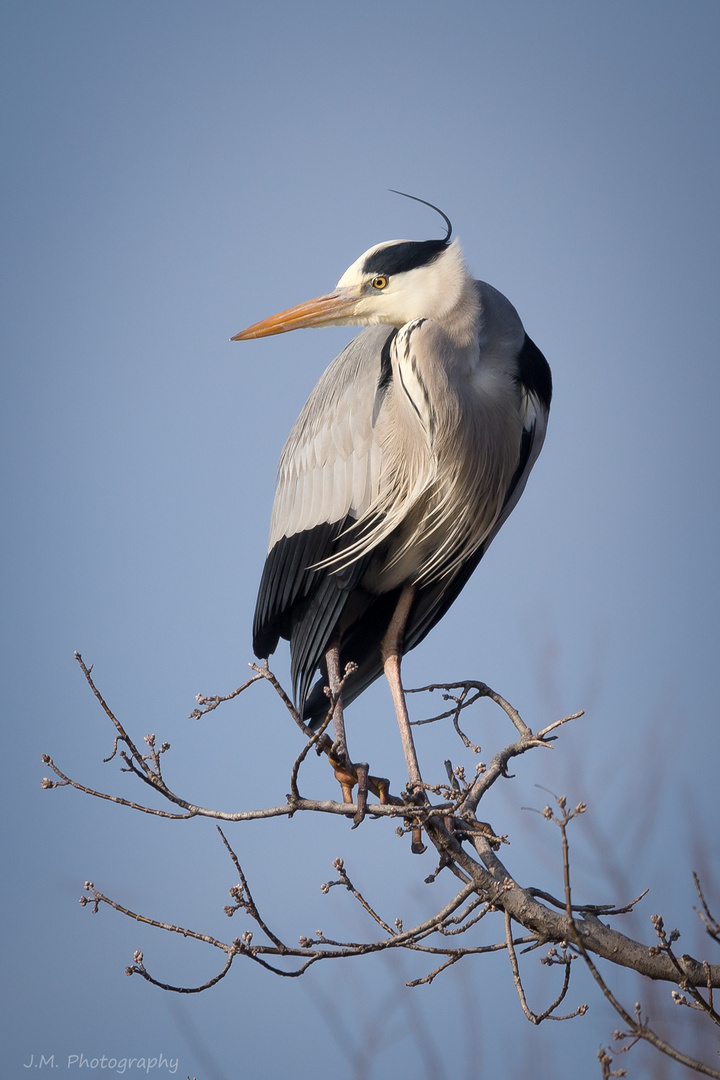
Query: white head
{"points": [[402, 280], [395, 282]]}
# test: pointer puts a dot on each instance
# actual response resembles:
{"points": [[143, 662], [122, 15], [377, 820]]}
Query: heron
{"points": [[407, 458]]}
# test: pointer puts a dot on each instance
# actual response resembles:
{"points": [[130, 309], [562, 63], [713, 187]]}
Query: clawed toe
{"points": [[350, 775]]}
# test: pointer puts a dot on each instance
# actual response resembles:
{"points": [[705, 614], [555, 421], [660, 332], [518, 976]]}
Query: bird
{"points": [[407, 458]]}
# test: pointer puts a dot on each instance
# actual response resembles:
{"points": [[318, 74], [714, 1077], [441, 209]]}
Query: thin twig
{"points": [[345, 880], [481, 690], [710, 922], [589, 909], [207, 704], [245, 900], [548, 1014], [137, 757], [265, 673], [638, 1027]]}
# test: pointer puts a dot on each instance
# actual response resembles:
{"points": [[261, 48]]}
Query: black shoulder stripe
{"points": [[385, 361], [385, 374], [534, 372]]}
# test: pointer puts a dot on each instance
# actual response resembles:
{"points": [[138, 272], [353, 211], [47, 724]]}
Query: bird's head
{"points": [[395, 282]]}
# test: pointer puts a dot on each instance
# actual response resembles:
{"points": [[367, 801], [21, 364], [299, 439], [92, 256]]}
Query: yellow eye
{"points": [[379, 282]]}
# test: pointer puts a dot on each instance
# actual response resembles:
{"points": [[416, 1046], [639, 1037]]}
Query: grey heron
{"points": [[409, 455]]}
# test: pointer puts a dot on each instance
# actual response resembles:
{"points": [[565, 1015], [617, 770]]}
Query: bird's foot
{"points": [[361, 771], [349, 776]]}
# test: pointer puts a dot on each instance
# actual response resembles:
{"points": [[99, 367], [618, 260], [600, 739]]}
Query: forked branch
{"points": [[466, 848]]}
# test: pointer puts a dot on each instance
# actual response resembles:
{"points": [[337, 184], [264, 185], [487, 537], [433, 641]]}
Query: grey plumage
{"points": [[407, 458]]}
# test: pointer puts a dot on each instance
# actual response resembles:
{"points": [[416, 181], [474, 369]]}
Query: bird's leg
{"points": [[344, 771], [391, 652], [332, 659]]}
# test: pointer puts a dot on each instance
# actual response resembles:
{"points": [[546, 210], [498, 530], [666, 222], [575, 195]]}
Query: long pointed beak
{"points": [[331, 309]]}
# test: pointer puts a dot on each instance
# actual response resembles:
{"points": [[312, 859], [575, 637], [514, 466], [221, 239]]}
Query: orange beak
{"points": [[332, 309]]}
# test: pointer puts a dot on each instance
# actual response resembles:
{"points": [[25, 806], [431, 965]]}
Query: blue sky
{"points": [[176, 171]]}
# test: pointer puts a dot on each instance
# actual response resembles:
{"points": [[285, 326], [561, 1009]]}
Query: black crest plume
{"points": [[406, 255], [437, 210]]}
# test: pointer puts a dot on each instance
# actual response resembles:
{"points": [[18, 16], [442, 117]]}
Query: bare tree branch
{"points": [[466, 848]]}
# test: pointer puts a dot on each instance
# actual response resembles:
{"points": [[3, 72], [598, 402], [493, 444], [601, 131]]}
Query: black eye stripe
{"points": [[404, 256]]}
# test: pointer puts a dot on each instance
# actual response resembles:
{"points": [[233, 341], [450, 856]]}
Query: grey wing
{"points": [[434, 599], [328, 475], [535, 383], [533, 437]]}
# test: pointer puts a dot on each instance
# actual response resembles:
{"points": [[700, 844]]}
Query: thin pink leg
{"points": [[332, 659], [391, 652], [344, 770]]}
